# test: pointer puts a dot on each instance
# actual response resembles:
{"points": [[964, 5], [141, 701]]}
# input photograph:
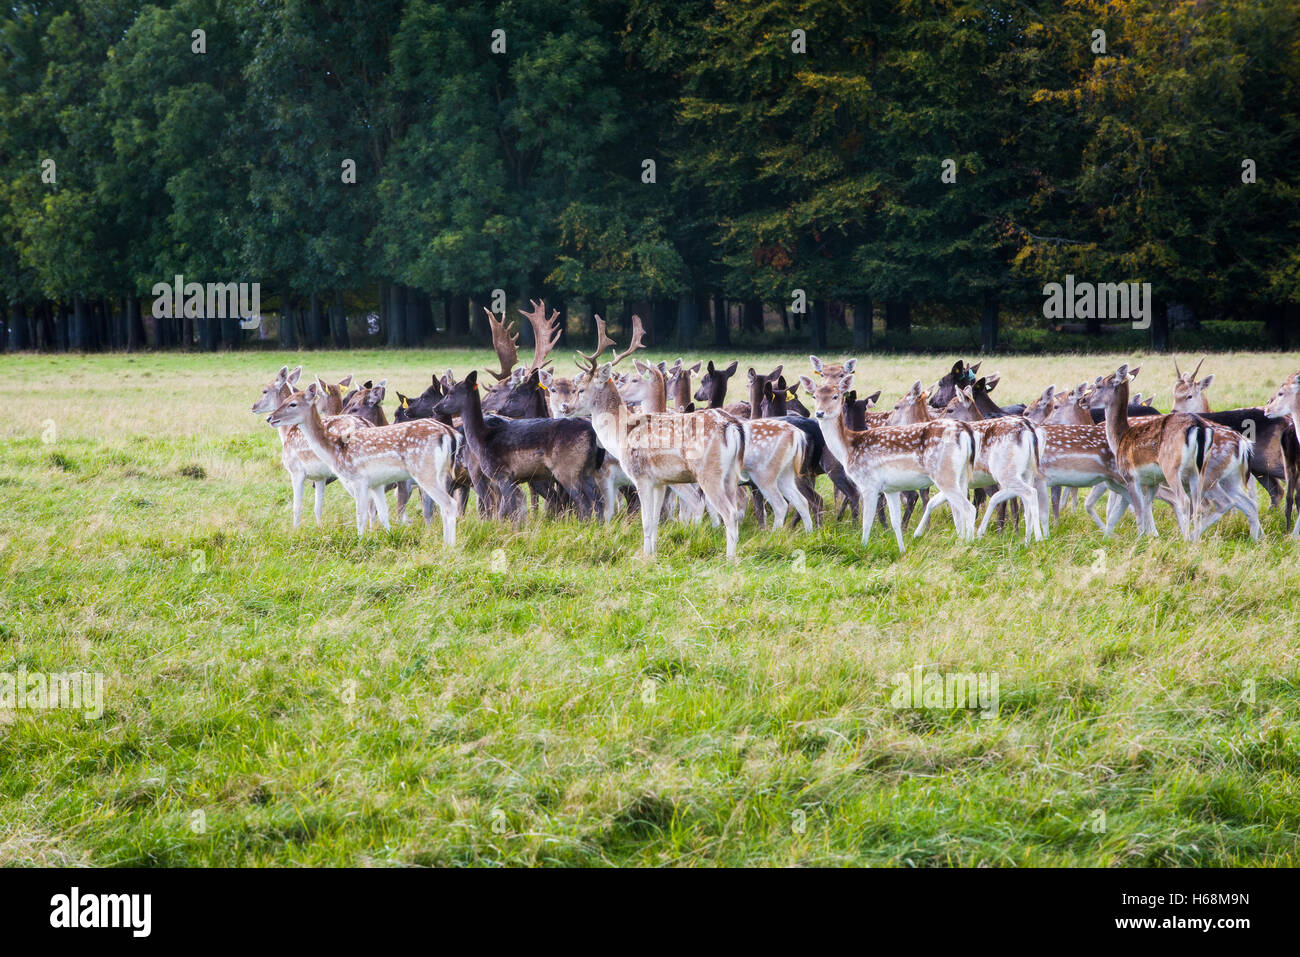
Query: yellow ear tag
{"points": [[542, 386], [405, 404]]}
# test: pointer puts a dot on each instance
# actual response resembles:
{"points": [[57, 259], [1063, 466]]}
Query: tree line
{"points": [[734, 171]]}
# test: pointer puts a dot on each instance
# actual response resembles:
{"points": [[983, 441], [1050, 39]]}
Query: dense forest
{"points": [[739, 173]]}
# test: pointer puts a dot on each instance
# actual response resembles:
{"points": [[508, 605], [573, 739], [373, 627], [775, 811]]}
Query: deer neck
{"points": [[313, 430], [656, 400], [609, 417], [472, 417], [1117, 416], [837, 435], [717, 392], [682, 390], [284, 430]]}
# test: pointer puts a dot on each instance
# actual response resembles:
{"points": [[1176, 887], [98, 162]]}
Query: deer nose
{"points": [[821, 414]]}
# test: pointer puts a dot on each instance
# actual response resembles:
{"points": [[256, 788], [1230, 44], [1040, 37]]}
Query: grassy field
{"points": [[542, 696]]}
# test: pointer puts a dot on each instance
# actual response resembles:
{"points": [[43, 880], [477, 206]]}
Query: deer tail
{"points": [[1035, 445], [733, 437], [800, 450]]}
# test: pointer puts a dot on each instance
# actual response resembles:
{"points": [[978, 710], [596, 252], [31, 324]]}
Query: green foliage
{"points": [[776, 166]]}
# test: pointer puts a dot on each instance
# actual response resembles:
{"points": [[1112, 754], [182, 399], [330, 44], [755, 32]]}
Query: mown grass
{"points": [[543, 696]]}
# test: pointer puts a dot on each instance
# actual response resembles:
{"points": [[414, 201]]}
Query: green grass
{"points": [[543, 696]]}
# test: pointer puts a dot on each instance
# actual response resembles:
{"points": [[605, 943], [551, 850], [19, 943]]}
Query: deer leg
{"points": [[930, 507], [379, 501], [651, 496], [789, 488], [297, 480], [868, 500], [893, 501]]}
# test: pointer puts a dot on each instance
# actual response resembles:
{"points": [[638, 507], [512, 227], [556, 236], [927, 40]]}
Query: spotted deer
{"points": [[889, 460], [1184, 452], [296, 455], [1274, 461], [1007, 457], [367, 459], [657, 450]]}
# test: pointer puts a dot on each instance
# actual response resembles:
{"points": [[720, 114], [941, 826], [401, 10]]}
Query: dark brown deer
{"points": [[511, 451], [713, 390]]}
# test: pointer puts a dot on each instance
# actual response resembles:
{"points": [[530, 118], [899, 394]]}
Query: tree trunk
{"points": [[458, 311], [862, 324], [20, 333], [752, 318], [339, 322], [661, 320], [989, 326], [721, 328], [397, 315], [1159, 328], [688, 320], [77, 327], [287, 328], [61, 328], [817, 325]]}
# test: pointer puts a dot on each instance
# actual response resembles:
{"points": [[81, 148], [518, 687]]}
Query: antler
{"points": [[638, 341], [603, 342], [505, 344], [1177, 372], [546, 333], [1198, 368]]}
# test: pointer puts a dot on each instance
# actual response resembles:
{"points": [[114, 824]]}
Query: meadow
{"points": [[542, 695]]}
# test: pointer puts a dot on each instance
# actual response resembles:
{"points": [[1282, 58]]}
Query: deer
{"points": [[507, 452], [331, 396], [679, 384], [713, 390], [367, 459], [1177, 450], [1286, 403], [296, 455], [367, 402], [830, 373], [945, 390], [1007, 458], [657, 450], [819, 460], [889, 460], [1274, 461]]}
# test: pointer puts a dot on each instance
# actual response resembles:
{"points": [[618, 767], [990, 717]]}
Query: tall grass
{"points": [[542, 695]]}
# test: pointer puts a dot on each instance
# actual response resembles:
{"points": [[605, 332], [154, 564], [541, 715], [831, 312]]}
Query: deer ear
{"points": [[731, 369], [991, 381], [345, 382], [694, 369], [710, 366], [850, 365], [807, 383], [1133, 372], [958, 368], [846, 382], [976, 367], [641, 367], [320, 384], [872, 399], [292, 377], [777, 371], [816, 364], [311, 392], [545, 377], [752, 374], [1206, 382]]}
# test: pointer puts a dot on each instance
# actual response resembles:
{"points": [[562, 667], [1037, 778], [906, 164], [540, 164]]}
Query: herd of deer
{"points": [[586, 442]]}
